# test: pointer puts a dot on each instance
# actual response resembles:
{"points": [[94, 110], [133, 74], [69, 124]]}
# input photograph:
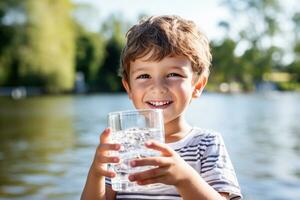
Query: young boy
{"points": [[164, 64]]}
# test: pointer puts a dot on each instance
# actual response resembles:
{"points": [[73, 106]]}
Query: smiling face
{"points": [[168, 84]]}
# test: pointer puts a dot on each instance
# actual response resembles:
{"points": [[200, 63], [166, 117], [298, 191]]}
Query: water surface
{"points": [[47, 143]]}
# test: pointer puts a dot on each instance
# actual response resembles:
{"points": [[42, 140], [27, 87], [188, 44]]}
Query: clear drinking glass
{"points": [[132, 129]]}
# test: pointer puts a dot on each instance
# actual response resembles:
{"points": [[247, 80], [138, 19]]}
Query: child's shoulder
{"points": [[205, 133], [199, 138], [206, 139]]}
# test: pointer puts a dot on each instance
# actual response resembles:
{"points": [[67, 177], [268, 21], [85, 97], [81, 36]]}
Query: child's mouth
{"points": [[159, 104]]}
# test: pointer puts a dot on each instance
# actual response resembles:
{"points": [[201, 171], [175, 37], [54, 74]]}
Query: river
{"points": [[47, 143]]}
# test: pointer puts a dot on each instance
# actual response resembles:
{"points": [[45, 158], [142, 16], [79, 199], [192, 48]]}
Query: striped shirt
{"points": [[205, 151]]}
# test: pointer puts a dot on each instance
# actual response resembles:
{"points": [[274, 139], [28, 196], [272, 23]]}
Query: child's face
{"points": [[167, 84]]}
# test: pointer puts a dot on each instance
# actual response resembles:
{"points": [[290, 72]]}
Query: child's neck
{"points": [[176, 130]]}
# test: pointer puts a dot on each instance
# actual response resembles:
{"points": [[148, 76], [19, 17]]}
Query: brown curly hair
{"points": [[162, 36]]}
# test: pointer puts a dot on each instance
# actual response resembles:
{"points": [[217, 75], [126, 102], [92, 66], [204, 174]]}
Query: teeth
{"points": [[159, 103]]}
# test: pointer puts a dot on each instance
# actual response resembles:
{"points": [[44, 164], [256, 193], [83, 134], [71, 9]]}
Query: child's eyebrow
{"points": [[182, 68], [138, 69], [177, 67]]}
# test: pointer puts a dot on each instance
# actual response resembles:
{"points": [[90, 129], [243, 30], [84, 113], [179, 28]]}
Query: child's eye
{"points": [[174, 75], [143, 76]]}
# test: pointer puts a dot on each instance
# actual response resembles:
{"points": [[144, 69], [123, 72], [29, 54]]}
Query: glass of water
{"points": [[131, 129]]}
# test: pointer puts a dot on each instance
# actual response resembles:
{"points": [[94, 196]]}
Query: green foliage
{"points": [[296, 21], [49, 49], [224, 64], [90, 52], [42, 45], [41, 48], [108, 79], [10, 37], [228, 67], [294, 67], [259, 26]]}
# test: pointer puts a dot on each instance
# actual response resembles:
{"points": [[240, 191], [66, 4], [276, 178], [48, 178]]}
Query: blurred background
{"points": [[58, 81]]}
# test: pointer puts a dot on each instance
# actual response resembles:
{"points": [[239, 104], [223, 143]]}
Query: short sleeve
{"points": [[217, 169], [108, 181]]}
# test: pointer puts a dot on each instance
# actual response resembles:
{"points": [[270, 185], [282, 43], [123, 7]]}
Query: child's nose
{"points": [[159, 87]]}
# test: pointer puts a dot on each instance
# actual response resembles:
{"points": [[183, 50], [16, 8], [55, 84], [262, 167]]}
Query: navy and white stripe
{"points": [[205, 151], [147, 196]]}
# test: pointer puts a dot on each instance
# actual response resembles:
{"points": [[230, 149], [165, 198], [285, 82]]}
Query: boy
{"points": [[164, 64]]}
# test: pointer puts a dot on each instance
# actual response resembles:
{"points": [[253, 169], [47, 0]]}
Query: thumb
{"points": [[104, 137], [162, 147]]}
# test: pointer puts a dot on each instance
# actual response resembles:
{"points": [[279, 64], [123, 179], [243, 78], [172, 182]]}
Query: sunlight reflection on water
{"points": [[47, 143]]}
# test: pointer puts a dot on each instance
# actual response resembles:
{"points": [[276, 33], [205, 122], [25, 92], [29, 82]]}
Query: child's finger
{"points": [[152, 173], [152, 161], [163, 148], [102, 172], [107, 159], [107, 146], [159, 179], [104, 137]]}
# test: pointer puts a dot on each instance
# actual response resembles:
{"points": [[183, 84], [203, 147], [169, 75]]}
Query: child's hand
{"points": [[170, 169], [99, 166]]}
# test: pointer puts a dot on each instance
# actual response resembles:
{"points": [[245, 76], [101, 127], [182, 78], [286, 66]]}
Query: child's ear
{"points": [[127, 88], [199, 86]]}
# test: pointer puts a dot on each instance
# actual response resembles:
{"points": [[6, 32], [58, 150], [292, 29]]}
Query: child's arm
{"points": [[173, 170], [94, 188]]}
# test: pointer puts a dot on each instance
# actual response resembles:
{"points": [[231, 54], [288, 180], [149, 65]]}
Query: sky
{"points": [[206, 14]]}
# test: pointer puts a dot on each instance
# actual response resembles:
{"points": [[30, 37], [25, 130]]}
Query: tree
{"points": [[48, 55], [90, 52], [39, 47], [256, 24], [108, 79], [224, 64], [294, 67], [12, 17]]}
